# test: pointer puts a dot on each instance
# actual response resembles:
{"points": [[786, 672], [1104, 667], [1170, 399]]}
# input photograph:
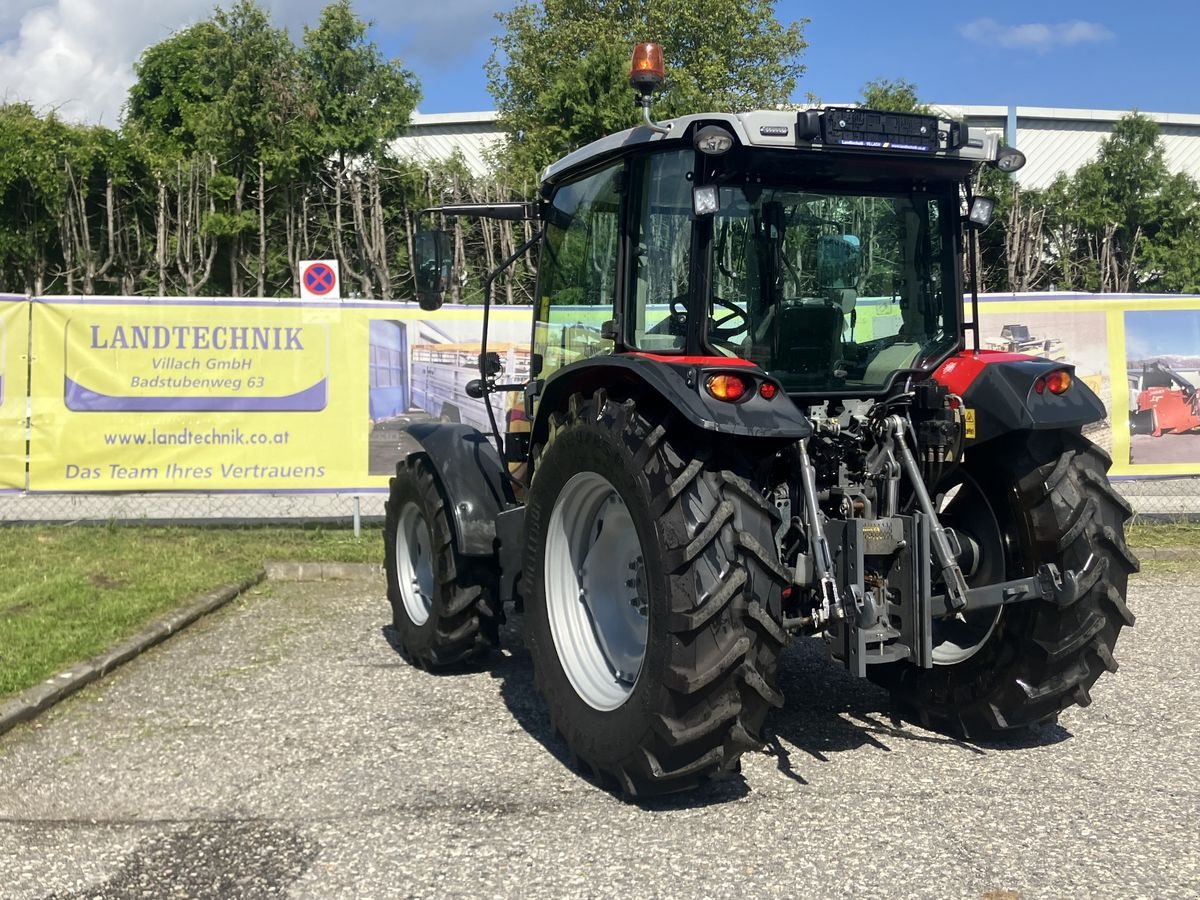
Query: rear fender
{"points": [[678, 381], [997, 390], [472, 481]]}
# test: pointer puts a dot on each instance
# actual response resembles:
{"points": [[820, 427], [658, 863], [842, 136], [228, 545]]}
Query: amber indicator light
{"points": [[1055, 382], [729, 388]]}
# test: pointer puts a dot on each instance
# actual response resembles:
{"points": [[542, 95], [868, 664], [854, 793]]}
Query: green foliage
{"points": [[1122, 222], [356, 98], [173, 87], [221, 172], [559, 71], [893, 96]]}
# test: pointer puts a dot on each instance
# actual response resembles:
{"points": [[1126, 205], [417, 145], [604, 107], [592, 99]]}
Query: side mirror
{"points": [[838, 261], [434, 253]]}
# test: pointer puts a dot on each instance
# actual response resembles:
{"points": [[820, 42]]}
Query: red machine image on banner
{"points": [[1163, 362], [1167, 403]]}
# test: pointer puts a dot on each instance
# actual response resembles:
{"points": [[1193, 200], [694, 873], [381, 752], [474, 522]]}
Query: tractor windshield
{"points": [[831, 291]]}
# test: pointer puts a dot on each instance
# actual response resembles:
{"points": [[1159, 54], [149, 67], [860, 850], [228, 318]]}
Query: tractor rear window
{"points": [[830, 291]]}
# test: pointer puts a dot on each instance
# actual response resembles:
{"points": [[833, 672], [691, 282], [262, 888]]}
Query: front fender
{"points": [[473, 481], [998, 389]]}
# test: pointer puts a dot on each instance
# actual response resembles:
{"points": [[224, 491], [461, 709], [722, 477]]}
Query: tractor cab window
{"points": [[830, 291], [577, 271]]}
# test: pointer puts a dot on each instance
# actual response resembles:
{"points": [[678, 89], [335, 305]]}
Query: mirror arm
{"points": [[489, 380], [513, 212]]}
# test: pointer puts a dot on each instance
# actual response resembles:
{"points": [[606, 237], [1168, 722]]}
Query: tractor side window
{"points": [[662, 253], [577, 271]]}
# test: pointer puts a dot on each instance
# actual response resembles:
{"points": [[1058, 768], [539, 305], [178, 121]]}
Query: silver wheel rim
{"points": [[414, 564], [597, 599]]}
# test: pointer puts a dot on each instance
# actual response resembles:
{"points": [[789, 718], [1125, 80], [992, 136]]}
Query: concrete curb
{"points": [[327, 571], [1183, 554], [37, 699]]}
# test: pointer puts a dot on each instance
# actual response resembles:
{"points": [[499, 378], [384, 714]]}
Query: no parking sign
{"points": [[319, 280]]}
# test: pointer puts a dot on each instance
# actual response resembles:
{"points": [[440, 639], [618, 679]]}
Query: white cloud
{"points": [[1035, 35], [77, 56]]}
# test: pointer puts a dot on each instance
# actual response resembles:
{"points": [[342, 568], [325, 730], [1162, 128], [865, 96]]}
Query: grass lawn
{"points": [[71, 592], [1173, 534]]}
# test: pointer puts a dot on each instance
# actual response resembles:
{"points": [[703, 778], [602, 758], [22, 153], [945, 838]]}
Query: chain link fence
{"points": [[1160, 498], [195, 508]]}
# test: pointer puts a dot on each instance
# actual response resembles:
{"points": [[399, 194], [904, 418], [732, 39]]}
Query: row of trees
{"points": [[1121, 223], [243, 151]]}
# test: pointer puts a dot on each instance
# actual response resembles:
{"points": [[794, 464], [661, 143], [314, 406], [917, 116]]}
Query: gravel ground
{"points": [[282, 748]]}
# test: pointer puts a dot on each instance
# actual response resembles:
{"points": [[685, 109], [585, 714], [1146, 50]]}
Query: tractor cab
{"points": [[749, 238]]}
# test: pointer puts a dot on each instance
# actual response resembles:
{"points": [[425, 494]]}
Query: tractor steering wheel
{"points": [[719, 327]]}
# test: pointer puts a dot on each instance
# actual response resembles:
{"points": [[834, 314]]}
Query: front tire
{"points": [[1052, 503], [653, 620], [443, 607]]}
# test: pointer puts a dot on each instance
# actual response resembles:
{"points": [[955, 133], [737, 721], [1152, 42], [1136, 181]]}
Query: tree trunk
{"points": [[262, 230]]}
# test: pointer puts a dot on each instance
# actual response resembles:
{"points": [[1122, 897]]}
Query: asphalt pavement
{"points": [[280, 747]]}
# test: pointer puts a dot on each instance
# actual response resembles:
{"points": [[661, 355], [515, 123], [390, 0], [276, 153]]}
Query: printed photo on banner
{"points": [[1163, 367], [419, 370]]}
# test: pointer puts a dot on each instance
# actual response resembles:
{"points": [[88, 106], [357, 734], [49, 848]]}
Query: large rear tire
{"points": [[654, 596], [1051, 502], [443, 607]]}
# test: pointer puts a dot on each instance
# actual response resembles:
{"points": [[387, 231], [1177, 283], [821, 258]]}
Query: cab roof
{"points": [[772, 129]]}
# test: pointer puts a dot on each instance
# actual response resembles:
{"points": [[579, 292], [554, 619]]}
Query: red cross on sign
{"points": [[319, 280]]}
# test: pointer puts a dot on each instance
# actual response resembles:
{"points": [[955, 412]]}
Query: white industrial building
{"points": [[1054, 140]]}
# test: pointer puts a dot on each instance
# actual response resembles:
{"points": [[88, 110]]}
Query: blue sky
{"points": [[77, 56], [1174, 333], [1099, 55]]}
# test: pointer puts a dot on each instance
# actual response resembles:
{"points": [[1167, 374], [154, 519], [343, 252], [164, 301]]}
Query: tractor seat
{"points": [[809, 337]]}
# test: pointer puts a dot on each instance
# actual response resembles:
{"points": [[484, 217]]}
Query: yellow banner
{"points": [[14, 345], [242, 396], [193, 395]]}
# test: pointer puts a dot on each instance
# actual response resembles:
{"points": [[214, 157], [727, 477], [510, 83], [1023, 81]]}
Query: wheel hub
{"points": [[414, 564], [597, 596]]}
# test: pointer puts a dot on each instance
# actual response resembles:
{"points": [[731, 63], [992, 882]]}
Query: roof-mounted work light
{"points": [[1009, 159], [713, 140]]}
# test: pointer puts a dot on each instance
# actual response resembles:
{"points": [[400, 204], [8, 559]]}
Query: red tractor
{"points": [[724, 464], [1166, 404]]}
